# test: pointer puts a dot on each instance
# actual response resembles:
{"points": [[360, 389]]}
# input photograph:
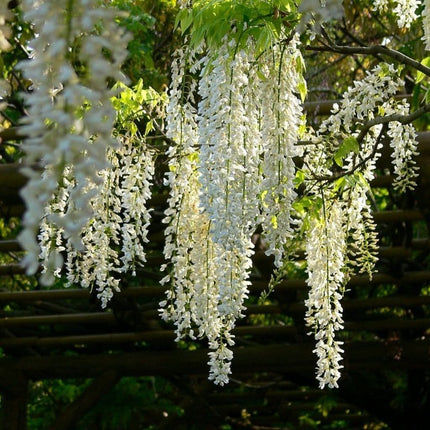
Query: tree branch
{"points": [[403, 119], [342, 173], [374, 50]]}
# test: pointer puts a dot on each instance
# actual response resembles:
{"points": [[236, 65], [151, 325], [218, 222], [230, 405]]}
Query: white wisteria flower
{"points": [[345, 216], [71, 116], [426, 24], [281, 118], [405, 10], [5, 32], [403, 141], [231, 169], [192, 299], [114, 238], [372, 99], [325, 253]]}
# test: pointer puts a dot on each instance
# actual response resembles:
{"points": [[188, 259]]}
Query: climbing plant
{"points": [[241, 155]]}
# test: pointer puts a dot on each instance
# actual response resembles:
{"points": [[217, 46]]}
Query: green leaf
{"points": [[339, 184], [265, 39], [350, 144], [149, 127], [303, 90], [300, 178], [184, 19], [421, 75], [427, 96], [362, 180]]}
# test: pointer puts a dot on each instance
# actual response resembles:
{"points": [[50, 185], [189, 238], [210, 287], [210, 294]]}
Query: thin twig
{"points": [[371, 50], [342, 173]]}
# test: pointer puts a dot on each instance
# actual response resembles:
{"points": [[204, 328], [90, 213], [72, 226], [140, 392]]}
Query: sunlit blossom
{"points": [[404, 10], [70, 117]]}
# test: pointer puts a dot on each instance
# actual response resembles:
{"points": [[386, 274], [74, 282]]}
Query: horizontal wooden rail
{"points": [[405, 278], [255, 288], [11, 269], [10, 246], [101, 318], [166, 337], [351, 305], [286, 358], [78, 318], [71, 293], [259, 256]]}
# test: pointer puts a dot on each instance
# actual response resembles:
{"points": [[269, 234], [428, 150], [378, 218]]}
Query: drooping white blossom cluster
{"points": [[426, 24], [228, 165], [114, 237], [405, 10], [223, 184], [5, 16], [319, 11], [325, 254], [404, 144], [372, 99], [280, 122], [192, 299], [345, 213], [70, 117]]}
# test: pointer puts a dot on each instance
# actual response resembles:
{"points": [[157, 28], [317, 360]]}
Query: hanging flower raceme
{"points": [[5, 33], [325, 253], [229, 159], [426, 24], [345, 216], [370, 99], [405, 10], [280, 121], [113, 239], [192, 299], [70, 113], [222, 184], [403, 141], [186, 225]]}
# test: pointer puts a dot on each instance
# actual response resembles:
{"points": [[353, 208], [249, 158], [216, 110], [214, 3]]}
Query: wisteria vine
{"points": [[236, 130]]}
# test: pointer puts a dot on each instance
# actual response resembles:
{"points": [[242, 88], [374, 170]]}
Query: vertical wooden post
{"points": [[14, 402], [70, 416]]}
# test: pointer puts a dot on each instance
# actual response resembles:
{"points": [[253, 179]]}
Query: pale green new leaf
{"points": [[350, 144]]}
